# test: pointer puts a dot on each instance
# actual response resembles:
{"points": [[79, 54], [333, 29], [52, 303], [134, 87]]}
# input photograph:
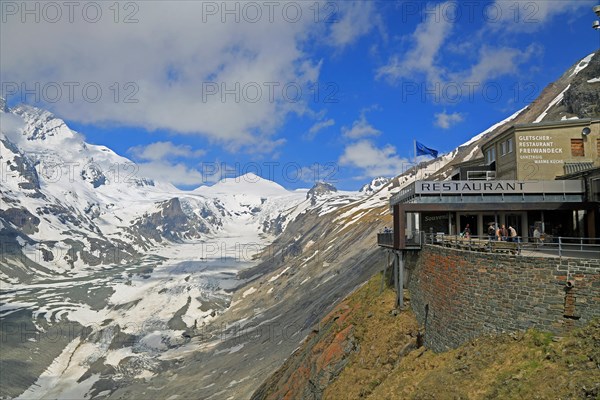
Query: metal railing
{"points": [[475, 243], [412, 239], [563, 246], [385, 239], [577, 247]]}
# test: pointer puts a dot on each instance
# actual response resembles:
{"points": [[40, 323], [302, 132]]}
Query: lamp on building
{"points": [[596, 24], [597, 10], [585, 131]]}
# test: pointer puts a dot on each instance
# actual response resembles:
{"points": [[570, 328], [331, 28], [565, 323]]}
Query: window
{"points": [[510, 145], [490, 155], [577, 148], [502, 148], [481, 175]]}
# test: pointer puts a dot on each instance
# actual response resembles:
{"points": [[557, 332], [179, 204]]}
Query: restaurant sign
{"points": [[497, 187]]}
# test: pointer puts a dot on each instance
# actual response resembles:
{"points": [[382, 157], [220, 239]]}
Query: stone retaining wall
{"points": [[458, 295]]}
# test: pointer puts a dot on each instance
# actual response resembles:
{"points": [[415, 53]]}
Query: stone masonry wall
{"points": [[458, 295]]}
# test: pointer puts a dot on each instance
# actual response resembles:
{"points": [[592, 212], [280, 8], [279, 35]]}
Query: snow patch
{"points": [[274, 278], [556, 100], [582, 64], [249, 292]]}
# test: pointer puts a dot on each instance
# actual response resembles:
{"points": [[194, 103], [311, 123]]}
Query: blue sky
{"points": [[295, 91]]}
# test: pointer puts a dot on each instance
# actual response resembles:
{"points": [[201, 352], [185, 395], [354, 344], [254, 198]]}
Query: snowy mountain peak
{"points": [[42, 124], [248, 184], [3, 107], [374, 186], [321, 188]]}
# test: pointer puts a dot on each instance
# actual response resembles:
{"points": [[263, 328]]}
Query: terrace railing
{"points": [[385, 239], [412, 240], [577, 247]]}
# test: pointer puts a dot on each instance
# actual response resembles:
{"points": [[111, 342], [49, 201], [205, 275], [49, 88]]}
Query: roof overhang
{"points": [[491, 192]]}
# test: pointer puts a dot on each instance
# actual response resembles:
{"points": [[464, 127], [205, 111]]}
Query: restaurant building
{"points": [[541, 175]]}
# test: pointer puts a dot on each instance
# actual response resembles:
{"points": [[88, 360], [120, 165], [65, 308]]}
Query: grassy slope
{"points": [[531, 365]]}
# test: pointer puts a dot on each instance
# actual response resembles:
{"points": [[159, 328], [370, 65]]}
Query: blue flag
{"points": [[423, 150]]}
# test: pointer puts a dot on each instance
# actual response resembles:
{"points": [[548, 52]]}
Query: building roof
{"points": [[580, 174], [572, 168]]}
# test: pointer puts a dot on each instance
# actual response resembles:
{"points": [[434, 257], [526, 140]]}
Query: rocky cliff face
{"points": [[318, 190], [582, 99]]}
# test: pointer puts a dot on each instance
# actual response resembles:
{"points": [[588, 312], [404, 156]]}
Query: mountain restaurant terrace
{"points": [[532, 199], [552, 200]]}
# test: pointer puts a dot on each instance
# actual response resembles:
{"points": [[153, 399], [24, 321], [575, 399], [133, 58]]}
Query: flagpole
{"points": [[415, 153]]}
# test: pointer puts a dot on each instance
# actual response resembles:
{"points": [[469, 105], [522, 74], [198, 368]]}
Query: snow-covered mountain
{"points": [[68, 205], [374, 186]]}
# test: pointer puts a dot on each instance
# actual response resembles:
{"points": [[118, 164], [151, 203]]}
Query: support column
{"points": [[401, 280], [543, 223], [401, 235], [396, 227], [581, 223], [384, 272], [524, 227], [396, 275]]}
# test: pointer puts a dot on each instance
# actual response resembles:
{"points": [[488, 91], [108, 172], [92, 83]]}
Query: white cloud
{"points": [[495, 62], [158, 161], [427, 40], [176, 173], [159, 151], [176, 63], [431, 55], [357, 19], [372, 160], [360, 128], [528, 15], [12, 127], [317, 127], [445, 120]]}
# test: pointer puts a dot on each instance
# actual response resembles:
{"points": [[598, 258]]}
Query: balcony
{"points": [[411, 242], [385, 239]]}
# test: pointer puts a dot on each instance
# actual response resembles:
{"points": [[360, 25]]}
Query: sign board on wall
{"points": [[539, 149], [497, 187]]}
